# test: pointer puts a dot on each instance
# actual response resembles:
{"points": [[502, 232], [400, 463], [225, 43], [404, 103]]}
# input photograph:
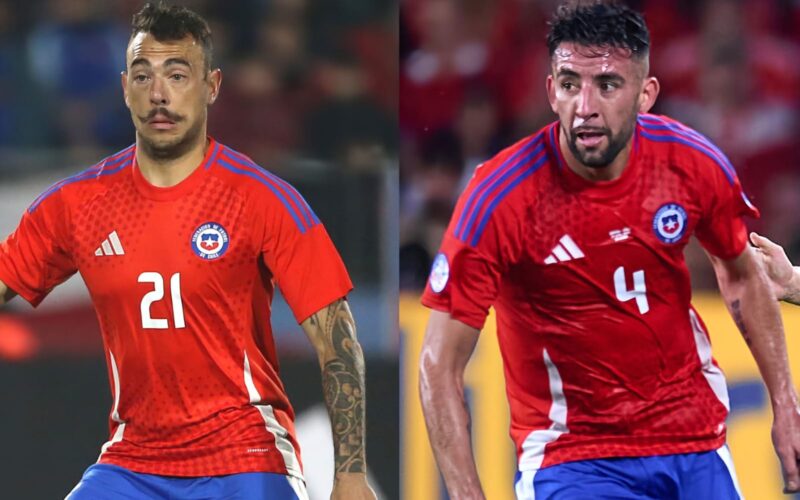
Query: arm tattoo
{"points": [[736, 312], [343, 386]]}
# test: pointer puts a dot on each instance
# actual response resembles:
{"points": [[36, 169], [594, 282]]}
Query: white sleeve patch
{"points": [[440, 273]]}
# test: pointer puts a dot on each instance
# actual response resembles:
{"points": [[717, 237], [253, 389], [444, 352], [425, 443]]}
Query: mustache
{"points": [[174, 117]]}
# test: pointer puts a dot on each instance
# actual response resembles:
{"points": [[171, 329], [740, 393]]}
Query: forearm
{"points": [[758, 318], [332, 331], [448, 421], [343, 386]]}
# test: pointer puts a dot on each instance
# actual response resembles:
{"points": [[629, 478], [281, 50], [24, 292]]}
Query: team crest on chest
{"points": [[210, 241], [669, 223]]}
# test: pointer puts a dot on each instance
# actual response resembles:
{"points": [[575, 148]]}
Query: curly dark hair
{"points": [[170, 23], [599, 24]]}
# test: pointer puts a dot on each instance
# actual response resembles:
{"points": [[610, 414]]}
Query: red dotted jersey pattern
{"points": [[192, 362], [603, 354]]}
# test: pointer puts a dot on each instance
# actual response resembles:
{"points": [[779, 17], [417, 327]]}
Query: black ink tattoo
{"points": [[736, 312], [343, 386]]}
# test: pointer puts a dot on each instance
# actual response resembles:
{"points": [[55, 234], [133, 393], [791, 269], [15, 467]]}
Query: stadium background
{"points": [[472, 80], [310, 92]]}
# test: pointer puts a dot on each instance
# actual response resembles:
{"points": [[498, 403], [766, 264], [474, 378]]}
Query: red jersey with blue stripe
{"points": [[603, 354], [182, 279]]}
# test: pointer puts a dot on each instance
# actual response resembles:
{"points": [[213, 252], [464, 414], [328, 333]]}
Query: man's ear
{"points": [[647, 98], [123, 78], [214, 84]]}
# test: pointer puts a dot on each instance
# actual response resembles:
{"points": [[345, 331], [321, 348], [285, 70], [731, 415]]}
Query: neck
{"points": [[168, 172], [610, 172]]}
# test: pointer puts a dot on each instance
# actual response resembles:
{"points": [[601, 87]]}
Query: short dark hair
{"points": [[599, 24], [169, 23]]}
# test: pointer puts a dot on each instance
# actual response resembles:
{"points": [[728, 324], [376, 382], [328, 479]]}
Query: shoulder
{"points": [[263, 188], [690, 149], [92, 179], [525, 155], [496, 190]]}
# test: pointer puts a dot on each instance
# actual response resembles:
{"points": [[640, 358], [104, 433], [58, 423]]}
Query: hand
{"points": [[351, 486], [776, 263], [786, 439]]}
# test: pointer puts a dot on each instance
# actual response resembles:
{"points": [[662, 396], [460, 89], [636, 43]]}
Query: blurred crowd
{"points": [[301, 79], [472, 82]]}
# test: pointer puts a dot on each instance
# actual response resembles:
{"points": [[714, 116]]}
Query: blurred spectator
{"points": [[435, 74], [256, 113], [478, 130], [22, 115], [426, 202], [76, 55], [348, 125]]}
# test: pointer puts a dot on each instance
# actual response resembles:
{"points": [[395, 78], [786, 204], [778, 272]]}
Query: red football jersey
{"points": [[603, 354], [182, 281]]}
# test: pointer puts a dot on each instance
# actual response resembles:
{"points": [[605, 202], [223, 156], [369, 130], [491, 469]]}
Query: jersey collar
{"points": [[185, 186], [604, 190]]}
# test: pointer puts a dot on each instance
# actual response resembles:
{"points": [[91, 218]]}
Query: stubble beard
{"points": [[616, 143]]}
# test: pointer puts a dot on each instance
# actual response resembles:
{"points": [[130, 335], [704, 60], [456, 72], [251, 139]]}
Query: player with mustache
{"points": [[181, 241]]}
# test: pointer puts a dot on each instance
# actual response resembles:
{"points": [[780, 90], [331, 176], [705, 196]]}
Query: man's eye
{"points": [[140, 78], [607, 86], [178, 77], [567, 86]]}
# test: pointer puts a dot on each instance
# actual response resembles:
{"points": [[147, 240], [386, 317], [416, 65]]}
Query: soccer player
{"points": [[179, 239], [784, 277], [575, 235]]}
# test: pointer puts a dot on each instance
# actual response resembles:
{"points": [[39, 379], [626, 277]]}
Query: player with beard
{"points": [[575, 236], [180, 240]]}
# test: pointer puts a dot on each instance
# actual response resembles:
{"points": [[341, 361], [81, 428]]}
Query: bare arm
{"points": [[746, 290], [785, 279], [332, 332], [446, 350], [6, 293]]}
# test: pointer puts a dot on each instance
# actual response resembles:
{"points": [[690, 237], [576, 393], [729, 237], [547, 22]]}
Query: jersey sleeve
{"points": [[474, 254], [301, 256], [35, 257], [721, 229]]}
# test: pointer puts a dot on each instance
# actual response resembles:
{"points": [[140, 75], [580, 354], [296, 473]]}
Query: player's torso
{"points": [[180, 294], [601, 284]]}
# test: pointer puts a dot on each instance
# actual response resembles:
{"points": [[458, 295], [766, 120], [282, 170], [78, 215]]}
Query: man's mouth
{"points": [[161, 122], [589, 138]]}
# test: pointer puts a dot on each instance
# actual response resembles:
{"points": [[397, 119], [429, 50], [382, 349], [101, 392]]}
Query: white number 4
{"points": [[639, 291], [157, 294]]}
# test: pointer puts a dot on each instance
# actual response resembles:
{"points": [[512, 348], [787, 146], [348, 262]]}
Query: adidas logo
{"points": [[110, 246], [566, 250]]}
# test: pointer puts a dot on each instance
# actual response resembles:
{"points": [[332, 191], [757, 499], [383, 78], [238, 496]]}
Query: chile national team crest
{"points": [[210, 241], [440, 273], [669, 223]]}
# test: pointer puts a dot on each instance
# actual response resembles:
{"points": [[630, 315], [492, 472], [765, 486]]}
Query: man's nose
{"points": [[159, 95], [586, 103]]}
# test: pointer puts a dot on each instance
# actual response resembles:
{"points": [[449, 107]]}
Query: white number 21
{"points": [[157, 294], [639, 291]]}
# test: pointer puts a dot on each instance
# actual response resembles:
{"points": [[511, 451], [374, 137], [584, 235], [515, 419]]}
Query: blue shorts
{"points": [[708, 475], [102, 481]]}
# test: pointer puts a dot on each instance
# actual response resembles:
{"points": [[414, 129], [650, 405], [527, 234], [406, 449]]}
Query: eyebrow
{"points": [[602, 77], [169, 62]]}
